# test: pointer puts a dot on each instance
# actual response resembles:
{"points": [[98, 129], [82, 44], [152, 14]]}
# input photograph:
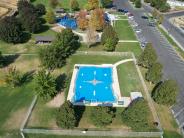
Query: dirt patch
{"points": [[57, 101], [3, 11], [15, 119]]}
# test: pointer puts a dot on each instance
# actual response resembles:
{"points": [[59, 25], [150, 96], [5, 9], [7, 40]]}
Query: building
{"points": [[44, 39]]}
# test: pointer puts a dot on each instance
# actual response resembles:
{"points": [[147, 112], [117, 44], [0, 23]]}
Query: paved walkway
{"points": [[123, 61], [128, 41]]}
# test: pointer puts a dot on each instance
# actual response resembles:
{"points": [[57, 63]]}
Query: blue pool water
{"points": [[67, 22], [94, 84]]}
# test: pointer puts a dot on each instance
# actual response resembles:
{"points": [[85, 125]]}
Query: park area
{"points": [[27, 59]]}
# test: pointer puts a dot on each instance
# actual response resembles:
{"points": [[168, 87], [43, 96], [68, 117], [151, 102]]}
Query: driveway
{"points": [[173, 66]]}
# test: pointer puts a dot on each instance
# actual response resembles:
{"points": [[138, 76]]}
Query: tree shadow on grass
{"points": [[9, 59], [79, 110], [26, 37], [154, 89], [61, 82], [27, 77], [94, 45], [44, 28]]}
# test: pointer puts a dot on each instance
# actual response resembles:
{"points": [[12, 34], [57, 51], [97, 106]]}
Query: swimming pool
{"points": [[94, 84], [67, 22]]}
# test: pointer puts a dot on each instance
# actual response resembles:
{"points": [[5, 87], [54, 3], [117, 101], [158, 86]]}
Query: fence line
{"points": [[28, 115], [103, 53], [148, 97], [92, 133]]}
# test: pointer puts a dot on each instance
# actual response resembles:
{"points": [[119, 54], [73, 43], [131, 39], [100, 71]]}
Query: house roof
{"points": [[44, 38]]}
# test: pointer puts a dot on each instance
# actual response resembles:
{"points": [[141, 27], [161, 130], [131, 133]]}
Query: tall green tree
{"points": [[154, 73], [11, 30], [1, 60], [138, 4], [101, 116], [74, 5], [40, 9], [68, 41], [50, 17], [66, 116], [165, 93], [136, 115], [52, 57], [45, 85], [109, 38], [148, 57]]}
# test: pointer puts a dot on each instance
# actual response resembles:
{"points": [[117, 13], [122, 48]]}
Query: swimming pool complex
{"points": [[67, 22], [94, 84]]}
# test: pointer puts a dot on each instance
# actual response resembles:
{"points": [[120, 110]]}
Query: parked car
{"points": [[138, 30]]}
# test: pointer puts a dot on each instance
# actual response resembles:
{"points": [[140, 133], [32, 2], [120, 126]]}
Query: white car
{"points": [[138, 30]]}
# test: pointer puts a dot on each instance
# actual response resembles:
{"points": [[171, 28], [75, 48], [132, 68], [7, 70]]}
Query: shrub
{"points": [[13, 77], [53, 3], [101, 116], [66, 116], [109, 38], [154, 73], [11, 30], [138, 4], [106, 3], [1, 60], [50, 17], [136, 115], [93, 4], [45, 85], [165, 93], [74, 5], [40, 9], [148, 57]]}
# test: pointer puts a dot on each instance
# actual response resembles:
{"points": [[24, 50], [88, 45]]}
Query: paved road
{"points": [[173, 30], [173, 66]]}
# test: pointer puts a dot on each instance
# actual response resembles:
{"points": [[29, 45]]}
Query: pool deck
{"points": [[115, 85]]}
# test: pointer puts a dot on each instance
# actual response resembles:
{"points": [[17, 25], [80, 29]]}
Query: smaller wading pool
{"points": [[67, 22], [94, 84]]}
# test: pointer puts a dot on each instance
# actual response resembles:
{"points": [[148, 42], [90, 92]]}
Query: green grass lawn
{"points": [[129, 47], [128, 79], [27, 48], [63, 3], [124, 30], [14, 105], [55, 136]]}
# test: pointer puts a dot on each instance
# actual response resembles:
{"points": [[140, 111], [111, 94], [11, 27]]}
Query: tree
{"points": [[97, 19], [50, 17], [101, 116], [138, 4], [82, 21], [53, 3], [148, 57], [13, 77], [91, 35], [93, 4], [165, 93], [68, 41], [154, 73], [24, 5], [106, 3], [31, 22], [52, 57], [45, 85], [136, 115], [66, 116], [1, 60], [40, 9], [109, 38], [74, 5], [11, 30]]}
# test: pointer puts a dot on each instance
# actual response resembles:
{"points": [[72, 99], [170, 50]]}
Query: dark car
{"points": [[144, 17]]}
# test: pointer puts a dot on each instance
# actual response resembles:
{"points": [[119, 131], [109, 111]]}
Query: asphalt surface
{"points": [[173, 66]]}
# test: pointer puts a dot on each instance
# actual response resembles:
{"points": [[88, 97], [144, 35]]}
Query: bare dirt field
{"points": [[3, 11]]}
